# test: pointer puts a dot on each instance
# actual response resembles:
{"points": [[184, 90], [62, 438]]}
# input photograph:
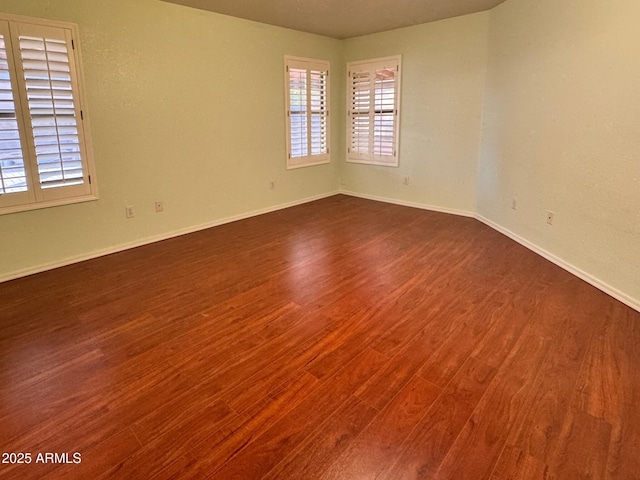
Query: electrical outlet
{"points": [[550, 218], [272, 185], [159, 207], [406, 180], [130, 212], [514, 204]]}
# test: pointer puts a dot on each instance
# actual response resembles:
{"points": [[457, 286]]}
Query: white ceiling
{"points": [[342, 18]]}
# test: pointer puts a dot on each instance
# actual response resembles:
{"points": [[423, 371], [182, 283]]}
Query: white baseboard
{"points": [[590, 279], [433, 208], [157, 238]]}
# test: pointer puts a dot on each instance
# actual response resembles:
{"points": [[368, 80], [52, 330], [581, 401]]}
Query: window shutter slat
{"points": [[52, 109]]}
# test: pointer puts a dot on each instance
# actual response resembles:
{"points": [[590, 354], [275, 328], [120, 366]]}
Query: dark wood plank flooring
{"points": [[341, 339]]}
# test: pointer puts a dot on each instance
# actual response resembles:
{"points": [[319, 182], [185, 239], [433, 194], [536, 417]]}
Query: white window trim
{"points": [[33, 198], [310, 159], [371, 65]]}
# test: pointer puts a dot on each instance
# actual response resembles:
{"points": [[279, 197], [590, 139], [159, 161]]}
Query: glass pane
{"points": [[13, 177], [298, 112]]}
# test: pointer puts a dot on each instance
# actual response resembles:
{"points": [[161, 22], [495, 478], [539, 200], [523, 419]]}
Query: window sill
{"points": [[51, 203]]}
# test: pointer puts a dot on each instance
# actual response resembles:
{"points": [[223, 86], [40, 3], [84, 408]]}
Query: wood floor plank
{"points": [[261, 456], [512, 396], [169, 451], [540, 432], [514, 464], [339, 339], [356, 336], [232, 437], [271, 378], [387, 382], [446, 284], [256, 358], [432, 438], [582, 449], [164, 421], [502, 405], [454, 350], [502, 336], [607, 388], [379, 445], [98, 459], [314, 455]]}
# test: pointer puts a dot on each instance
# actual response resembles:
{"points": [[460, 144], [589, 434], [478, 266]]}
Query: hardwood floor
{"points": [[341, 339]]}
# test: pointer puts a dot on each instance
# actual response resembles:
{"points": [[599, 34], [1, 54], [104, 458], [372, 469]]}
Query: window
{"points": [[307, 109], [44, 156], [373, 109]]}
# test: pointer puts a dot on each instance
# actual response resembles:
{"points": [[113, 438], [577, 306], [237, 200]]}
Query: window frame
{"points": [[37, 197], [370, 66], [309, 65]]}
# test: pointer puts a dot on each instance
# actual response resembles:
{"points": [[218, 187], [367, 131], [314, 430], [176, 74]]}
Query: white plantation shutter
{"points": [[307, 110], [52, 111], [41, 119], [373, 111]]}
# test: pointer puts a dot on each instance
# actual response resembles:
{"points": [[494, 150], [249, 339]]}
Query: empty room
{"points": [[327, 240]]}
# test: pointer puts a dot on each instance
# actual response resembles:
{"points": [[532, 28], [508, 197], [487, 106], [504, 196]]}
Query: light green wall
{"points": [[443, 77], [186, 107], [562, 133]]}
